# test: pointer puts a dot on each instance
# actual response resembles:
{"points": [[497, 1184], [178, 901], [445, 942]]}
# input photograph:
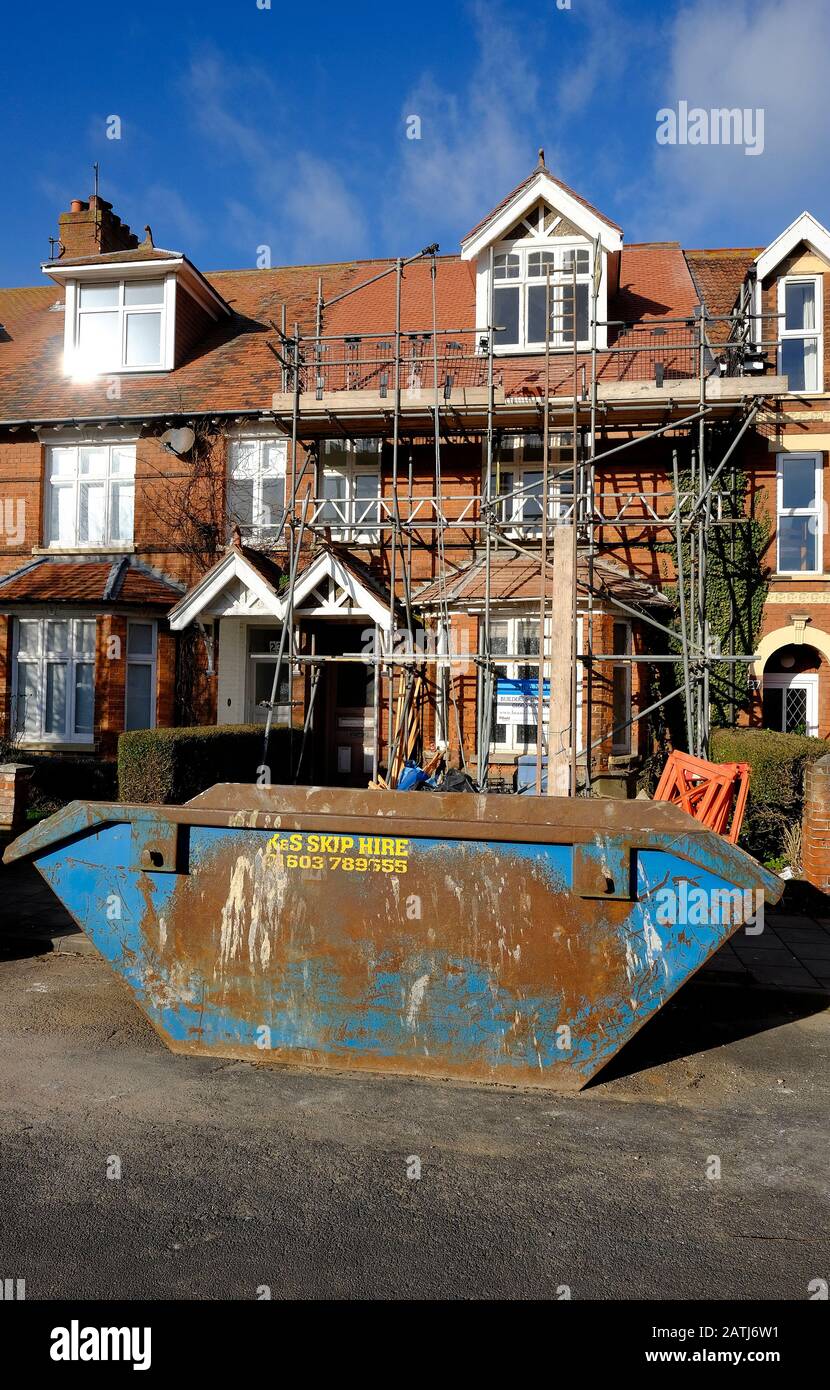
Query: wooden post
{"points": [[561, 653]]}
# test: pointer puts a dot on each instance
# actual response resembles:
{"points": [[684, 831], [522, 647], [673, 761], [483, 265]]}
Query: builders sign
{"points": [[516, 701]]}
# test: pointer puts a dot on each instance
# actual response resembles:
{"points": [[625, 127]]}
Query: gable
{"points": [[542, 187], [235, 588], [805, 231]]}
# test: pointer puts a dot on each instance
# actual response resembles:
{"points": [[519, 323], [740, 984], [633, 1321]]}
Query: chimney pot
{"points": [[77, 205]]}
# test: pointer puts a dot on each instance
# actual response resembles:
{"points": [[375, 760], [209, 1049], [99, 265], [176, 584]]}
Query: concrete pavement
{"points": [[235, 1177]]}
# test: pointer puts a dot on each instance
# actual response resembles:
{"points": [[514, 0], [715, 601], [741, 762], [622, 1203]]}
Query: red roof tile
{"points": [[86, 581], [234, 367], [719, 275]]}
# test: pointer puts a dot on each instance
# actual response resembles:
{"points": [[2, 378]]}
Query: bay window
{"points": [[520, 293], [256, 486], [801, 338], [119, 326], [799, 513], [54, 679], [516, 684], [91, 493]]}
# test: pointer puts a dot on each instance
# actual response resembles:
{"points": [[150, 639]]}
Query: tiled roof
{"points": [[654, 283], [19, 308], [372, 309], [540, 169], [87, 581], [514, 577], [234, 368], [719, 275]]}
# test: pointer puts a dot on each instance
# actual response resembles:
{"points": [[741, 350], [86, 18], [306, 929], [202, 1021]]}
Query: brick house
{"points": [[194, 464]]}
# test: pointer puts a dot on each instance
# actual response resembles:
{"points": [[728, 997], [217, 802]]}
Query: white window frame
{"points": [[79, 366], [514, 745], [351, 513], [142, 659], [803, 680], [815, 511], [254, 713], [269, 458], [793, 334], [71, 658], [511, 501], [561, 280], [73, 483]]}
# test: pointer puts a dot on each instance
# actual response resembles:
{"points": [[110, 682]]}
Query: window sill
{"points": [[538, 349], [41, 745], [806, 576], [86, 377], [83, 549]]}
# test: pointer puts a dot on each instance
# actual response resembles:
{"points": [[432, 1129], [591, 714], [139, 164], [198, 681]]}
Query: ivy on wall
{"points": [[737, 580]]}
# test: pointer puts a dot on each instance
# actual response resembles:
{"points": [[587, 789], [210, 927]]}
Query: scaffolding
{"points": [[665, 381]]}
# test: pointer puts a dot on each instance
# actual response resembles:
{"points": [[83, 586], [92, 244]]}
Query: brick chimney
{"points": [[92, 229]]}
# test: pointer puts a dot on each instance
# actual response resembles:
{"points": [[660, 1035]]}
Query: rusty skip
{"points": [[488, 938]]}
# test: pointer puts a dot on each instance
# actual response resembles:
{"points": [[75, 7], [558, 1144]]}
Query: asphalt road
{"points": [[235, 1177]]}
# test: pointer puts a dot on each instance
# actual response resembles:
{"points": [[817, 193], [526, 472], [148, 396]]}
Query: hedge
{"points": [[776, 786], [172, 765]]}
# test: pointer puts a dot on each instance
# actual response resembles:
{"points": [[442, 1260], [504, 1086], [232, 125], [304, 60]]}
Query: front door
{"points": [[345, 730]]}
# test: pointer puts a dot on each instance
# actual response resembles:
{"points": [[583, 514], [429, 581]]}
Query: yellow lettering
{"points": [[401, 848]]}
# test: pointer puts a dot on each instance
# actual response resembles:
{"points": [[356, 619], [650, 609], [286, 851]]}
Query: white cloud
{"points": [[747, 54], [473, 146], [296, 203]]}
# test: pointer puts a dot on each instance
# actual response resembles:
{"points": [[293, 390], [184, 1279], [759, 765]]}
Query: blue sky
{"points": [[287, 127]]}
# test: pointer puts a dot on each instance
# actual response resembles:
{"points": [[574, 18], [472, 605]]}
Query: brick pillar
{"points": [[816, 825], [14, 795]]}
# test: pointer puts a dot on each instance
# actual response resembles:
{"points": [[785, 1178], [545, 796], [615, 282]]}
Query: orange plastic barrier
{"points": [[707, 791]]}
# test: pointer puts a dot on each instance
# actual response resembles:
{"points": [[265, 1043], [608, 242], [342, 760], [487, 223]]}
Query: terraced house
{"points": [[374, 499]]}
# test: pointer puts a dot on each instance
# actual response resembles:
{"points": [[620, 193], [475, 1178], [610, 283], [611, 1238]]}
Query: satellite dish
{"points": [[178, 441]]}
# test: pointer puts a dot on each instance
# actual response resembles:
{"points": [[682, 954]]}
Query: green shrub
{"points": [[173, 765], [776, 785]]}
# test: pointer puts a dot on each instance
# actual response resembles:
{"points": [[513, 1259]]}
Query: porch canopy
{"points": [[247, 583]]}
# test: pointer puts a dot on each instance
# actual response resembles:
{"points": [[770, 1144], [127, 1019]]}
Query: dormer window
{"points": [[543, 228], [120, 325], [131, 309], [520, 291]]}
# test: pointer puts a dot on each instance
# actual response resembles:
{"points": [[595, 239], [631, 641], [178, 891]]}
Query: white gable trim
{"points": [[199, 599], [541, 186], [804, 228], [355, 598], [361, 598]]}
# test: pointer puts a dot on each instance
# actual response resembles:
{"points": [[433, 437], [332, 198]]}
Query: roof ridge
{"points": [[115, 578]]}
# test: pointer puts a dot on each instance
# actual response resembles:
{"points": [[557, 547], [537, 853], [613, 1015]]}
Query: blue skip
{"points": [[503, 939]]}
